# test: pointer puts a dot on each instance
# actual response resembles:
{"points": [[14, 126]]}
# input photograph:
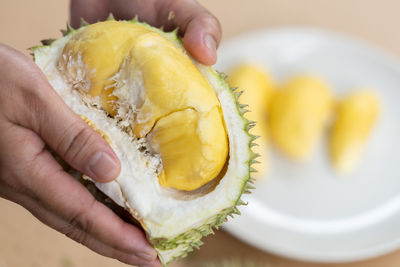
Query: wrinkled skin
{"points": [[33, 117]]}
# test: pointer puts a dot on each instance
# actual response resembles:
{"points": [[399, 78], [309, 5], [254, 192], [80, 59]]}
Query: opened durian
{"points": [[174, 123]]}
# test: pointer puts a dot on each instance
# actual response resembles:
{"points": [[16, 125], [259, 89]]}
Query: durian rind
{"points": [[241, 157]]}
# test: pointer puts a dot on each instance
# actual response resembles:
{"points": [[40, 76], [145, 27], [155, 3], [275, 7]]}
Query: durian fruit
{"points": [[258, 88], [356, 116], [298, 114], [174, 123]]}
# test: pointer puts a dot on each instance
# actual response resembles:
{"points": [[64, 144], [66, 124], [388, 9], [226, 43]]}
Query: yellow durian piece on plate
{"points": [[298, 114], [356, 116]]}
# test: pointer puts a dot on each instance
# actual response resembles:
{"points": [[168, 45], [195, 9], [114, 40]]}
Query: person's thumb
{"points": [[71, 137]]}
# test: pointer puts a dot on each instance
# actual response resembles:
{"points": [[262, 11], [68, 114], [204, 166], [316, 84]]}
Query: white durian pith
{"points": [[174, 221]]}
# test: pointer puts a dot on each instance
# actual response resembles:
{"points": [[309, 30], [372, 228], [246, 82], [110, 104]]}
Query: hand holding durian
{"points": [[135, 111]]}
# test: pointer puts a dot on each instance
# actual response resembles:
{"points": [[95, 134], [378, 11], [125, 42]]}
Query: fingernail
{"points": [[210, 42], [103, 166], [147, 256], [211, 45]]}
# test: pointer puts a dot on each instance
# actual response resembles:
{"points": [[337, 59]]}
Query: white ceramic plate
{"points": [[307, 211]]}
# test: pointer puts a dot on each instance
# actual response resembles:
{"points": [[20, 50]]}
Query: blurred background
{"points": [[24, 241]]}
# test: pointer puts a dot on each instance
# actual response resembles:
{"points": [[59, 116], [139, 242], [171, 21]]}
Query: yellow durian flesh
{"points": [[174, 98], [177, 130], [95, 54], [356, 115], [298, 114], [258, 88]]}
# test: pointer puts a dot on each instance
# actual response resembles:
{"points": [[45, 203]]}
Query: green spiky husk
{"points": [[191, 239]]}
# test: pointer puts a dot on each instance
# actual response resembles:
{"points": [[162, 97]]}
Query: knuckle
{"points": [[212, 21], [16, 186], [79, 225], [9, 187], [33, 98], [76, 234], [14, 182], [73, 143]]}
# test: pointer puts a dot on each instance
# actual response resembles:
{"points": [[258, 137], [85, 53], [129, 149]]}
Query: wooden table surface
{"points": [[26, 242]]}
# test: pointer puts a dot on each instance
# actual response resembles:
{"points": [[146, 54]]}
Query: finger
{"points": [[202, 31], [201, 41], [78, 144], [75, 233], [75, 141], [58, 192], [72, 202], [41, 109]]}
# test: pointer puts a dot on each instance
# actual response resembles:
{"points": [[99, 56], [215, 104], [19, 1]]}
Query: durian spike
{"points": [[176, 31], [233, 89], [84, 22], [110, 17], [68, 30], [238, 94], [47, 41], [223, 75], [253, 169]]}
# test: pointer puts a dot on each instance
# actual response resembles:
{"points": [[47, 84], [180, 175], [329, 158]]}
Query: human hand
{"points": [[33, 115], [201, 31]]}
